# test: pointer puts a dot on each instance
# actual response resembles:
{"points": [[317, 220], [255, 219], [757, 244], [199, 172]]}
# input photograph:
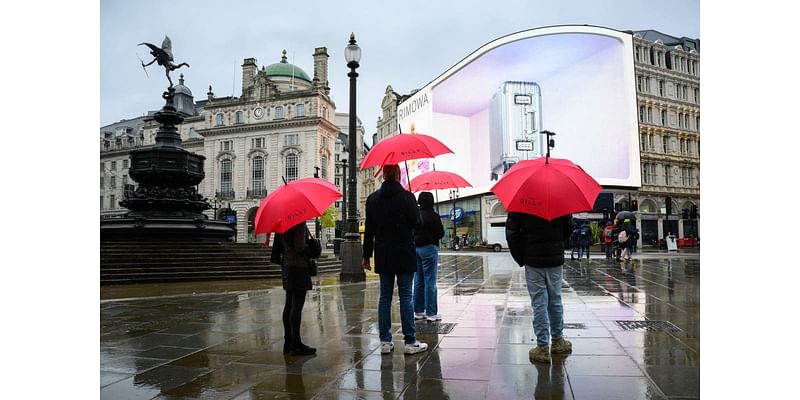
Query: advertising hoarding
{"points": [[491, 107]]}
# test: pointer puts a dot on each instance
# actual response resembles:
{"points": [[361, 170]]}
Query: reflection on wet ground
{"points": [[225, 340]]}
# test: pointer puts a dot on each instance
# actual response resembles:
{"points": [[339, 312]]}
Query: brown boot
{"points": [[540, 354]]}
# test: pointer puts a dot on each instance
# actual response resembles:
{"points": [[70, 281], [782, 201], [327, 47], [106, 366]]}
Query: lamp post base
{"points": [[352, 271]]}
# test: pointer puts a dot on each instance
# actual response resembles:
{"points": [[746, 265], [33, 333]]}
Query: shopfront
{"points": [[462, 223]]}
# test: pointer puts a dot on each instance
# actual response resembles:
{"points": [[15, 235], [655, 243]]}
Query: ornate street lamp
{"points": [[351, 247]]}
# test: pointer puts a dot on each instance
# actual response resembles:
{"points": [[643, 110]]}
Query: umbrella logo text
{"points": [[296, 213], [410, 152], [530, 202]]}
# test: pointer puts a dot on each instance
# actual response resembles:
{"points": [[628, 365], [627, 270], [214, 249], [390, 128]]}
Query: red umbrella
{"points": [[293, 203], [403, 147], [438, 180], [547, 189]]}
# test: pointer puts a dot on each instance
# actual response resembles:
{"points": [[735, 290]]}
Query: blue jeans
{"points": [[404, 287], [544, 287], [425, 280]]}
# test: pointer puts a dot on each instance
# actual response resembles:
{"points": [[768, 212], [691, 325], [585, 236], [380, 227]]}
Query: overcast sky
{"points": [[404, 43]]}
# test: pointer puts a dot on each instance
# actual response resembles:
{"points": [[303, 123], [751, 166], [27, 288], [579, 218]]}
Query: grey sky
{"points": [[404, 43]]}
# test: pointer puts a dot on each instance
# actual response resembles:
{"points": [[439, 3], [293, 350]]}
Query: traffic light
{"points": [[693, 212], [634, 205], [668, 202], [685, 213]]}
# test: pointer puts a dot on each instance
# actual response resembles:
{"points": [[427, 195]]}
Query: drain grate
{"points": [[441, 328], [648, 326], [574, 325]]}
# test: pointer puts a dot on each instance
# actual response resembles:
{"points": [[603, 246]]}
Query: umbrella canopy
{"points": [[403, 147], [623, 215], [293, 203], [438, 180], [547, 189]]}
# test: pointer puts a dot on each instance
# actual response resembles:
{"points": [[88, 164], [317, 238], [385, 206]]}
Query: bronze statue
{"points": [[163, 55]]}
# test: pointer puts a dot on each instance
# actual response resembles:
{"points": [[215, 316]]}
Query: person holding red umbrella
{"points": [[391, 218]]}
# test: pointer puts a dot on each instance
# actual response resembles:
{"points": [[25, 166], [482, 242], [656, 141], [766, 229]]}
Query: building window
{"points": [[112, 202], [124, 163], [102, 183], [102, 167], [102, 205], [641, 113], [697, 95], [113, 165], [226, 176], [258, 176], [300, 111], [113, 184], [649, 114], [338, 183], [291, 167], [686, 176], [324, 168], [226, 145], [661, 88], [666, 175], [680, 120], [639, 84], [220, 120], [124, 181], [291, 140], [278, 112], [239, 117], [663, 117], [665, 144], [258, 143], [697, 123]]}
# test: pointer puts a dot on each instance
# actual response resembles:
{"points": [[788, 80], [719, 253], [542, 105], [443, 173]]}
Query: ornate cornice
{"points": [[269, 125]]}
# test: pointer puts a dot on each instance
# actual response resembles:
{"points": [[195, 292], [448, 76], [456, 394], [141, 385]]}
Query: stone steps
{"points": [[142, 262]]}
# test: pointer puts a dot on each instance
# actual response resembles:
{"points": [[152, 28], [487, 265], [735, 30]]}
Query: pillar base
{"points": [[352, 271]]}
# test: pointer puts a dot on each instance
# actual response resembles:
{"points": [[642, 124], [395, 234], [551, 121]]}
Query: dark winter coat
{"points": [[392, 216], [432, 229], [289, 249], [535, 242]]}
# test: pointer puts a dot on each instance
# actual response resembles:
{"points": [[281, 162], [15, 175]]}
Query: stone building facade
{"points": [[282, 126]]}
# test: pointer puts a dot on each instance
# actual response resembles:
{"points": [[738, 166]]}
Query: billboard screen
{"points": [[492, 107]]}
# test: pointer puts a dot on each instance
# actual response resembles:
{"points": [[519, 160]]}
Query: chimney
{"points": [[321, 69], [249, 69]]}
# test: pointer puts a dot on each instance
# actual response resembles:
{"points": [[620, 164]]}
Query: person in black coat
{"points": [[391, 217], [538, 245], [427, 239], [291, 252]]}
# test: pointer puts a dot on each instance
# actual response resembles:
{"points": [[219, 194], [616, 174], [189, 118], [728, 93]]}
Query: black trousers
{"points": [[292, 312]]}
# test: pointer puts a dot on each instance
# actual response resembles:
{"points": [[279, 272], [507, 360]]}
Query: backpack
{"points": [[585, 231], [609, 232], [623, 237]]}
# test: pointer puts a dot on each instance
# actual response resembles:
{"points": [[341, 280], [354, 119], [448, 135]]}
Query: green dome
{"points": [[283, 68]]}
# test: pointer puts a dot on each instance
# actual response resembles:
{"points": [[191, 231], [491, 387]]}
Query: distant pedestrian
{"points": [[574, 243], [538, 245], [625, 238], [292, 253], [607, 235], [584, 239], [427, 239], [391, 217]]}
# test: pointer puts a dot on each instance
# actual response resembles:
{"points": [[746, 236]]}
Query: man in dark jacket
{"points": [[538, 245], [427, 240], [392, 216]]}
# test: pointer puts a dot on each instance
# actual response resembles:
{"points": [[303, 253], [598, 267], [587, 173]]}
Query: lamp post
{"points": [[351, 247], [454, 196], [317, 227]]}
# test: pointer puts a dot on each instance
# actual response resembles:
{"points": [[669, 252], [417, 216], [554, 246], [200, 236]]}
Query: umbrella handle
{"points": [[408, 177]]}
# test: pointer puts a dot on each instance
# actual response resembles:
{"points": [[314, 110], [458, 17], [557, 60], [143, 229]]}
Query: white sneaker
{"points": [[387, 347], [415, 348], [419, 315], [434, 318]]}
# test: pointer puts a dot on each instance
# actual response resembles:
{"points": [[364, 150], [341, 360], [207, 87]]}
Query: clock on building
{"points": [[258, 112]]}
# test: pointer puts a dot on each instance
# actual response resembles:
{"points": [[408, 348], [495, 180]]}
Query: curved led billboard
{"points": [[492, 107]]}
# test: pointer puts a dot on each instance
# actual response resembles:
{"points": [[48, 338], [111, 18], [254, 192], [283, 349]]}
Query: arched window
{"points": [[220, 120], [278, 112], [258, 176], [291, 167]]}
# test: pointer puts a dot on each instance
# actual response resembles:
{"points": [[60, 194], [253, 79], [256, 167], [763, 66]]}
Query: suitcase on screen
{"points": [[515, 121]]}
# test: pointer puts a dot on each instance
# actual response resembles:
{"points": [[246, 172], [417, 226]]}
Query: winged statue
{"points": [[162, 55]]}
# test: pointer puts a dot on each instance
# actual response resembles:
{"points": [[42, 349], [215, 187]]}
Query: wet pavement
{"points": [[224, 340]]}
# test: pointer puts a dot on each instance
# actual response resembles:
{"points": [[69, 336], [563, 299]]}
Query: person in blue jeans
{"points": [[391, 217], [538, 245], [427, 239]]}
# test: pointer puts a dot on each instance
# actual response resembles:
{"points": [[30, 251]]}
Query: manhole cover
{"points": [[648, 326], [574, 325], [442, 328]]}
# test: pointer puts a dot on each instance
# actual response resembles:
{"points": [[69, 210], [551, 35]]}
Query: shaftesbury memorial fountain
{"points": [[166, 204]]}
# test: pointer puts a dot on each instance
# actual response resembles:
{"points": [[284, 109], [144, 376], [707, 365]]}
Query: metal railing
{"points": [[225, 195], [256, 193]]}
